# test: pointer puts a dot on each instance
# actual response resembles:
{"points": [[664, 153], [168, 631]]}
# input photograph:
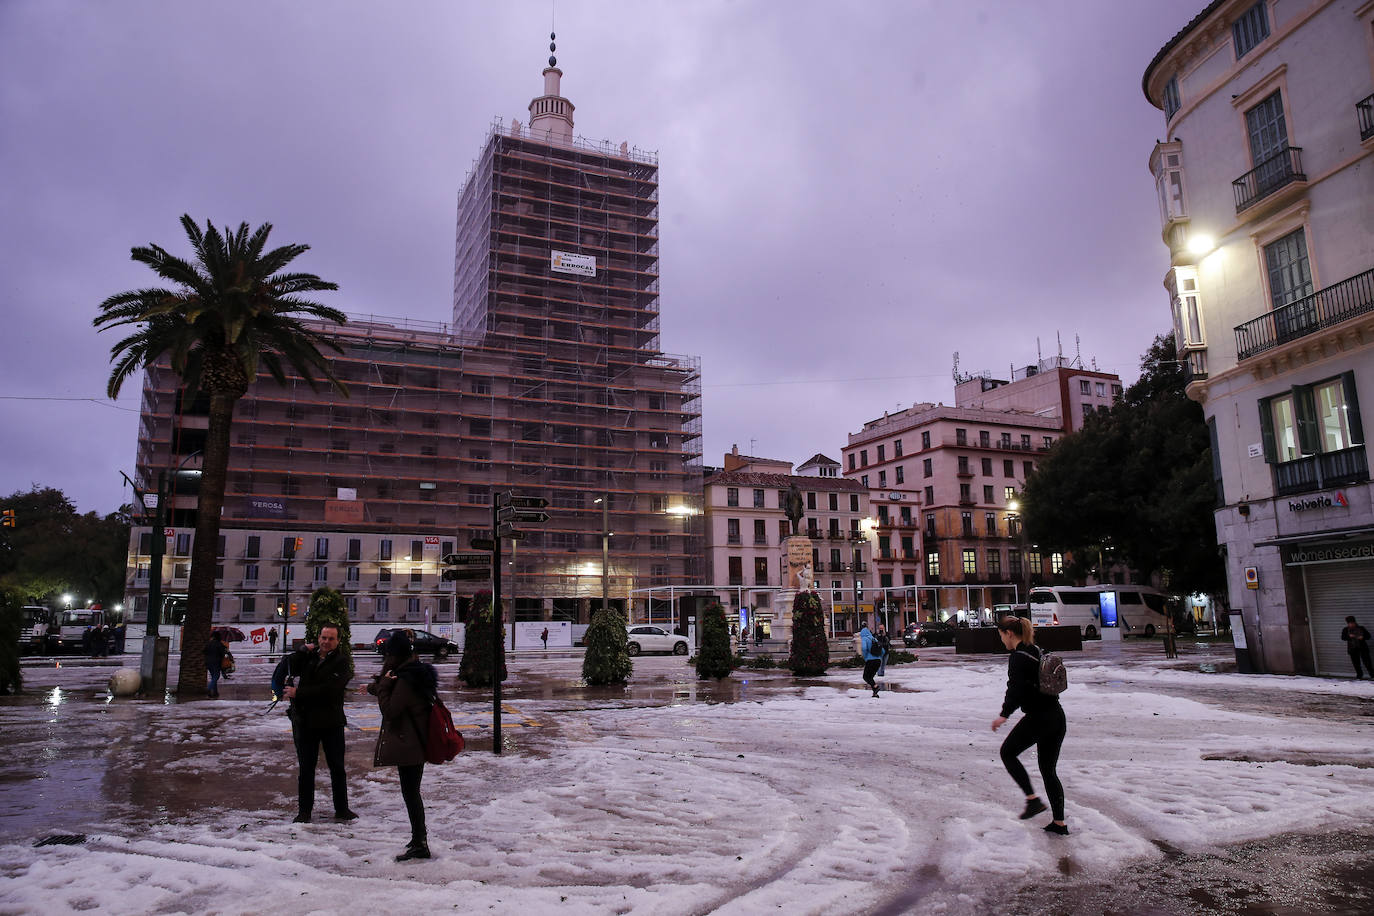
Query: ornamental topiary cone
{"points": [[608, 659], [475, 668], [810, 648], [715, 659]]}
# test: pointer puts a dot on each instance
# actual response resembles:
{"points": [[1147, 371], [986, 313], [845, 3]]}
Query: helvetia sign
{"points": [[1336, 501]]}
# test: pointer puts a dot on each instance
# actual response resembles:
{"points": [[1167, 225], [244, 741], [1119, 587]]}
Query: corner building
{"points": [[1265, 179], [549, 382]]}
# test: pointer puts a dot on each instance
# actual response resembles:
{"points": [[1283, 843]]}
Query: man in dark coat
{"points": [[405, 691], [317, 719], [215, 651], [1356, 640]]}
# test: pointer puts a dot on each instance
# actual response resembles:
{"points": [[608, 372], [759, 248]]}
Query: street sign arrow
{"points": [[510, 533], [466, 559], [502, 499], [482, 544], [466, 572], [512, 514], [528, 502]]}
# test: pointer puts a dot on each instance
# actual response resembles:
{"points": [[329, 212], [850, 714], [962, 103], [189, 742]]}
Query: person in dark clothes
{"points": [[873, 656], [272, 641], [405, 690], [1042, 724], [317, 719], [215, 650], [1356, 639]]}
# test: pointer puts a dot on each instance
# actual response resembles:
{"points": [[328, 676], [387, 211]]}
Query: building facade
{"points": [[943, 483], [1266, 194], [1057, 387], [746, 523], [549, 382]]}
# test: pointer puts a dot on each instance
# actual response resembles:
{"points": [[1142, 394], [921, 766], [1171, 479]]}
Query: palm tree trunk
{"points": [[200, 591]]}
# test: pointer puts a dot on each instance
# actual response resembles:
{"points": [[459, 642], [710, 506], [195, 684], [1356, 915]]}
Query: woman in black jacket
{"points": [[404, 692], [1042, 725]]}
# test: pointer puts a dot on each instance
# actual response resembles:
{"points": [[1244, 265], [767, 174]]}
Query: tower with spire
{"points": [[556, 264]]}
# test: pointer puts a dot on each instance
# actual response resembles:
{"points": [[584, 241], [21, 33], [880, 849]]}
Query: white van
{"points": [[1137, 609]]}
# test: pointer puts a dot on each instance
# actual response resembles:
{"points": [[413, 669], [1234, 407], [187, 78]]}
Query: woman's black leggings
{"points": [[410, 791], [1045, 729]]}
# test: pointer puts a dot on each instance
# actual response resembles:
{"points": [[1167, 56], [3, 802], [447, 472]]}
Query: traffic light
{"points": [[299, 542], [9, 520], [858, 591]]}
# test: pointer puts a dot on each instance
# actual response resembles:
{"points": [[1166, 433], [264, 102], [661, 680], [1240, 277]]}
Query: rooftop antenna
{"points": [[956, 367], [1038, 357], [1077, 352]]}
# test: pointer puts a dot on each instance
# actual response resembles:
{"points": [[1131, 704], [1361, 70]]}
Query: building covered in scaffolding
{"points": [[549, 382]]}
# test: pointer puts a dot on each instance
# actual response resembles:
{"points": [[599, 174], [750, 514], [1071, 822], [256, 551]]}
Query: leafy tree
{"points": [[1136, 483], [329, 609], [608, 659], [479, 647], [715, 659], [53, 549], [810, 648], [228, 312]]}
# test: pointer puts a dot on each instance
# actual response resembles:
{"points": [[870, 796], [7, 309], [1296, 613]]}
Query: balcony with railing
{"points": [[1317, 472], [1324, 308], [1364, 111], [1278, 171]]}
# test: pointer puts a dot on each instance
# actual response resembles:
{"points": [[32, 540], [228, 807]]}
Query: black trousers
{"points": [[870, 671], [1358, 655], [1045, 729], [415, 808], [308, 743]]}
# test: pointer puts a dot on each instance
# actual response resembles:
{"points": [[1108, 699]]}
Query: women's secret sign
{"points": [[1328, 553]]}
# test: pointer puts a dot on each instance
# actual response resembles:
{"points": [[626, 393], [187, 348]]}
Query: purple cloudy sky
{"points": [[850, 192]]}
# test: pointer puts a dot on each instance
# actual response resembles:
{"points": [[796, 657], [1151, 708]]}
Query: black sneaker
{"points": [[414, 851], [1059, 829], [1033, 807], [345, 816], [301, 819]]}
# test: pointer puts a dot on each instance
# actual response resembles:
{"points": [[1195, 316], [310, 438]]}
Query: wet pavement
{"points": [[77, 758]]}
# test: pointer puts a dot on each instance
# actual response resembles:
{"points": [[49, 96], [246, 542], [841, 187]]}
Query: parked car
{"points": [[648, 638], [928, 633], [426, 643]]}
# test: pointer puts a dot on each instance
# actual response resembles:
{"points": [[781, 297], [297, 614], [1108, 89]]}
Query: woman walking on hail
{"points": [[1042, 724]]}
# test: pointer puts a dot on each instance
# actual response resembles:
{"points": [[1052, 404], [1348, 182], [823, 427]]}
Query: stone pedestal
{"points": [[797, 576]]}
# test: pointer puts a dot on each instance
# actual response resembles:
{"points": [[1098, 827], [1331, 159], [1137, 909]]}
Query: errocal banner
{"points": [[565, 262]]}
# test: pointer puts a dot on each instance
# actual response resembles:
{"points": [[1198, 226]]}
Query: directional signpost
{"points": [[466, 566], [506, 510]]}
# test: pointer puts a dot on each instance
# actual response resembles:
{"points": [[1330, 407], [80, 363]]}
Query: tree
{"points": [[608, 657], [328, 609], [479, 647], [228, 313], [1136, 482], [52, 549], [810, 649], [715, 658]]}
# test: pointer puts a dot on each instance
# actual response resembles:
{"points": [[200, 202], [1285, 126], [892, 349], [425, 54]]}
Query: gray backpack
{"points": [[1054, 677]]}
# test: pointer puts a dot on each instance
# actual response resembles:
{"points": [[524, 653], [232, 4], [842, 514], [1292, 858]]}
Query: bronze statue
{"points": [[793, 509]]}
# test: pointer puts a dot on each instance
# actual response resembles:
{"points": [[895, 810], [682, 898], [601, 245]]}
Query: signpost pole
{"points": [[498, 643]]}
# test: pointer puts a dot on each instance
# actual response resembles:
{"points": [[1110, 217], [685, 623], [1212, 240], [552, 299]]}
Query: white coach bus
{"points": [[1137, 609]]}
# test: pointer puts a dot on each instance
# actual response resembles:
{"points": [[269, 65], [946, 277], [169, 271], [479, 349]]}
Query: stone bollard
{"points": [[125, 682]]}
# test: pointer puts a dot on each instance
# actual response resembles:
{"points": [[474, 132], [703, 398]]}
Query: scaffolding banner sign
{"points": [[266, 508], [565, 262], [343, 511]]}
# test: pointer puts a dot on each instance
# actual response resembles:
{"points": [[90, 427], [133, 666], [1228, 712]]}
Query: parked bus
{"points": [[1136, 609]]}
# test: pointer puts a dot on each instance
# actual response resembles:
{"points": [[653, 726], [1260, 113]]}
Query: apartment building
{"points": [[549, 381], [1265, 179], [943, 483], [1057, 387], [746, 523]]}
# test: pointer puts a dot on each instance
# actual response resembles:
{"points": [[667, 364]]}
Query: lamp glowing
{"points": [[1201, 244]]}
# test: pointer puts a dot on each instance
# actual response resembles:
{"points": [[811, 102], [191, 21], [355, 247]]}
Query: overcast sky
{"points": [[850, 192]]}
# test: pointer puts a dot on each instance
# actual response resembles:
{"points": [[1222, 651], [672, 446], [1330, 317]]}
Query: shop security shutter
{"points": [[1333, 591]]}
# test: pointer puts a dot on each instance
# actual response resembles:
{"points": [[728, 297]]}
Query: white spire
{"points": [[551, 115]]}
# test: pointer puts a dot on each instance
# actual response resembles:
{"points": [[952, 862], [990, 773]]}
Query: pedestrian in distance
{"points": [[405, 689], [885, 645], [873, 656], [1042, 723], [272, 641], [121, 633], [1356, 640], [544, 637], [215, 650], [317, 720]]}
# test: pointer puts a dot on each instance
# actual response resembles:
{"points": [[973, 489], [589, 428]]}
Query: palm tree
{"points": [[227, 313]]}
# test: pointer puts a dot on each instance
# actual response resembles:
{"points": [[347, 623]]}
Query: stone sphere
{"points": [[125, 682]]}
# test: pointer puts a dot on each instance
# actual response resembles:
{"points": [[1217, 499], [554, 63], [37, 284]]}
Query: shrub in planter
{"points": [[810, 648], [715, 659], [480, 648], [608, 659], [329, 609]]}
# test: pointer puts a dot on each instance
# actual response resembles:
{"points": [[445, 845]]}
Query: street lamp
{"points": [[1014, 517], [684, 513], [605, 502]]}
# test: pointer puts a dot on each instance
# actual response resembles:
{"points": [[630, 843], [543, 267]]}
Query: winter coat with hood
{"points": [[404, 701]]}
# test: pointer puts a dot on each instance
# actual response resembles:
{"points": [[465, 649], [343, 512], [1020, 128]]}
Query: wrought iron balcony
{"points": [[1279, 170], [1317, 472], [1364, 110], [1324, 308]]}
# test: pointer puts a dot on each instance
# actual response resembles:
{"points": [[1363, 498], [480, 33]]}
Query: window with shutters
{"points": [[1250, 28], [1313, 437]]}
